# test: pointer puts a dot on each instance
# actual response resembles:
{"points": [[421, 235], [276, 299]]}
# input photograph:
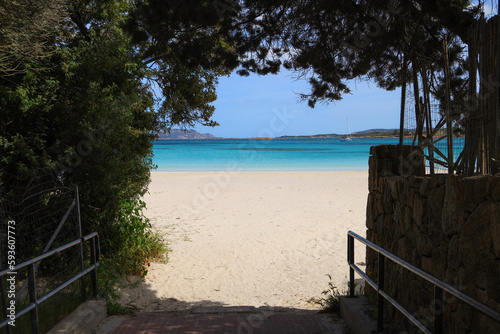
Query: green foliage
{"points": [[138, 245], [26, 28], [330, 303], [109, 280], [187, 49], [113, 73]]}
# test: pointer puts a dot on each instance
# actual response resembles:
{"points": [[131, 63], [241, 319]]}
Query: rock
{"points": [[370, 212], [388, 202], [418, 210], [495, 188], [369, 235], [427, 184], [451, 210], [427, 264], [492, 287], [435, 200], [439, 260], [467, 186], [453, 260], [404, 247], [372, 175], [408, 194], [486, 325], [495, 227], [475, 242], [407, 221], [378, 227], [424, 245], [392, 184], [433, 211], [375, 202], [384, 163], [481, 188], [383, 226], [380, 151], [446, 224]]}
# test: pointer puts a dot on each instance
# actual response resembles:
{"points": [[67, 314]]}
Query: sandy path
{"points": [[250, 238]]}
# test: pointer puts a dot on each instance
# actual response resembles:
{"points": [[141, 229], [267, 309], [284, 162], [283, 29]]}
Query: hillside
{"points": [[377, 133], [372, 133], [177, 134]]}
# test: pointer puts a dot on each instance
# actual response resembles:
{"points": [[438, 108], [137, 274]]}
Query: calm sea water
{"points": [[264, 155]]}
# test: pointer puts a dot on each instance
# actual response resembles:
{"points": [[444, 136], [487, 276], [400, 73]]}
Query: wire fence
{"points": [[458, 135], [427, 130], [36, 216]]}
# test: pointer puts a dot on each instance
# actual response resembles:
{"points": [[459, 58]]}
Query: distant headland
{"points": [[372, 133], [177, 134]]}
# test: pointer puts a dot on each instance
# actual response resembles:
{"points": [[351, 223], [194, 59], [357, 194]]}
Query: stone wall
{"points": [[447, 225]]}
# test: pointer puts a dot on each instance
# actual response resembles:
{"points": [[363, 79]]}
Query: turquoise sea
{"points": [[264, 155]]}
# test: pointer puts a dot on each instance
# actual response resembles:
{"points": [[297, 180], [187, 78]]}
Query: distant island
{"points": [[177, 134], [372, 133]]}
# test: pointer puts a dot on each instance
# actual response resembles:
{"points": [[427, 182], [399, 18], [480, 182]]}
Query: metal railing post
{"points": [[94, 261], [30, 283], [32, 295], [80, 235], [438, 310], [439, 288], [380, 298], [350, 259]]}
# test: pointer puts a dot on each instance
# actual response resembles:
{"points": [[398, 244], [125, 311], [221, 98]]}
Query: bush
{"points": [[332, 301], [136, 246]]}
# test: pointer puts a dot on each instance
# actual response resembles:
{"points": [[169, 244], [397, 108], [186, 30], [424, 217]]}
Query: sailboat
{"points": [[348, 136]]}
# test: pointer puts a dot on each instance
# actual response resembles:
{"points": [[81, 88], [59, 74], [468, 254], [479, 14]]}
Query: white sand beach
{"points": [[250, 238]]}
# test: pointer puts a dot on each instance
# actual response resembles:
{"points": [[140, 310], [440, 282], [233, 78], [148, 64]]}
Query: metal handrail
{"points": [[439, 287], [34, 301]]}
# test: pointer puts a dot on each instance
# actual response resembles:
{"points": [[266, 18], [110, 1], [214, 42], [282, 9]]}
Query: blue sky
{"points": [[269, 106]]}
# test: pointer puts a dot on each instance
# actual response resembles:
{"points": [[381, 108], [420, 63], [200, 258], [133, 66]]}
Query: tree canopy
{"points": [[108, 76], [331, 42], [26, 29]]}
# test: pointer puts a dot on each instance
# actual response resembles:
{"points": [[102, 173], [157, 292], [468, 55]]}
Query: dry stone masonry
{"points": [[447, 225]]}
